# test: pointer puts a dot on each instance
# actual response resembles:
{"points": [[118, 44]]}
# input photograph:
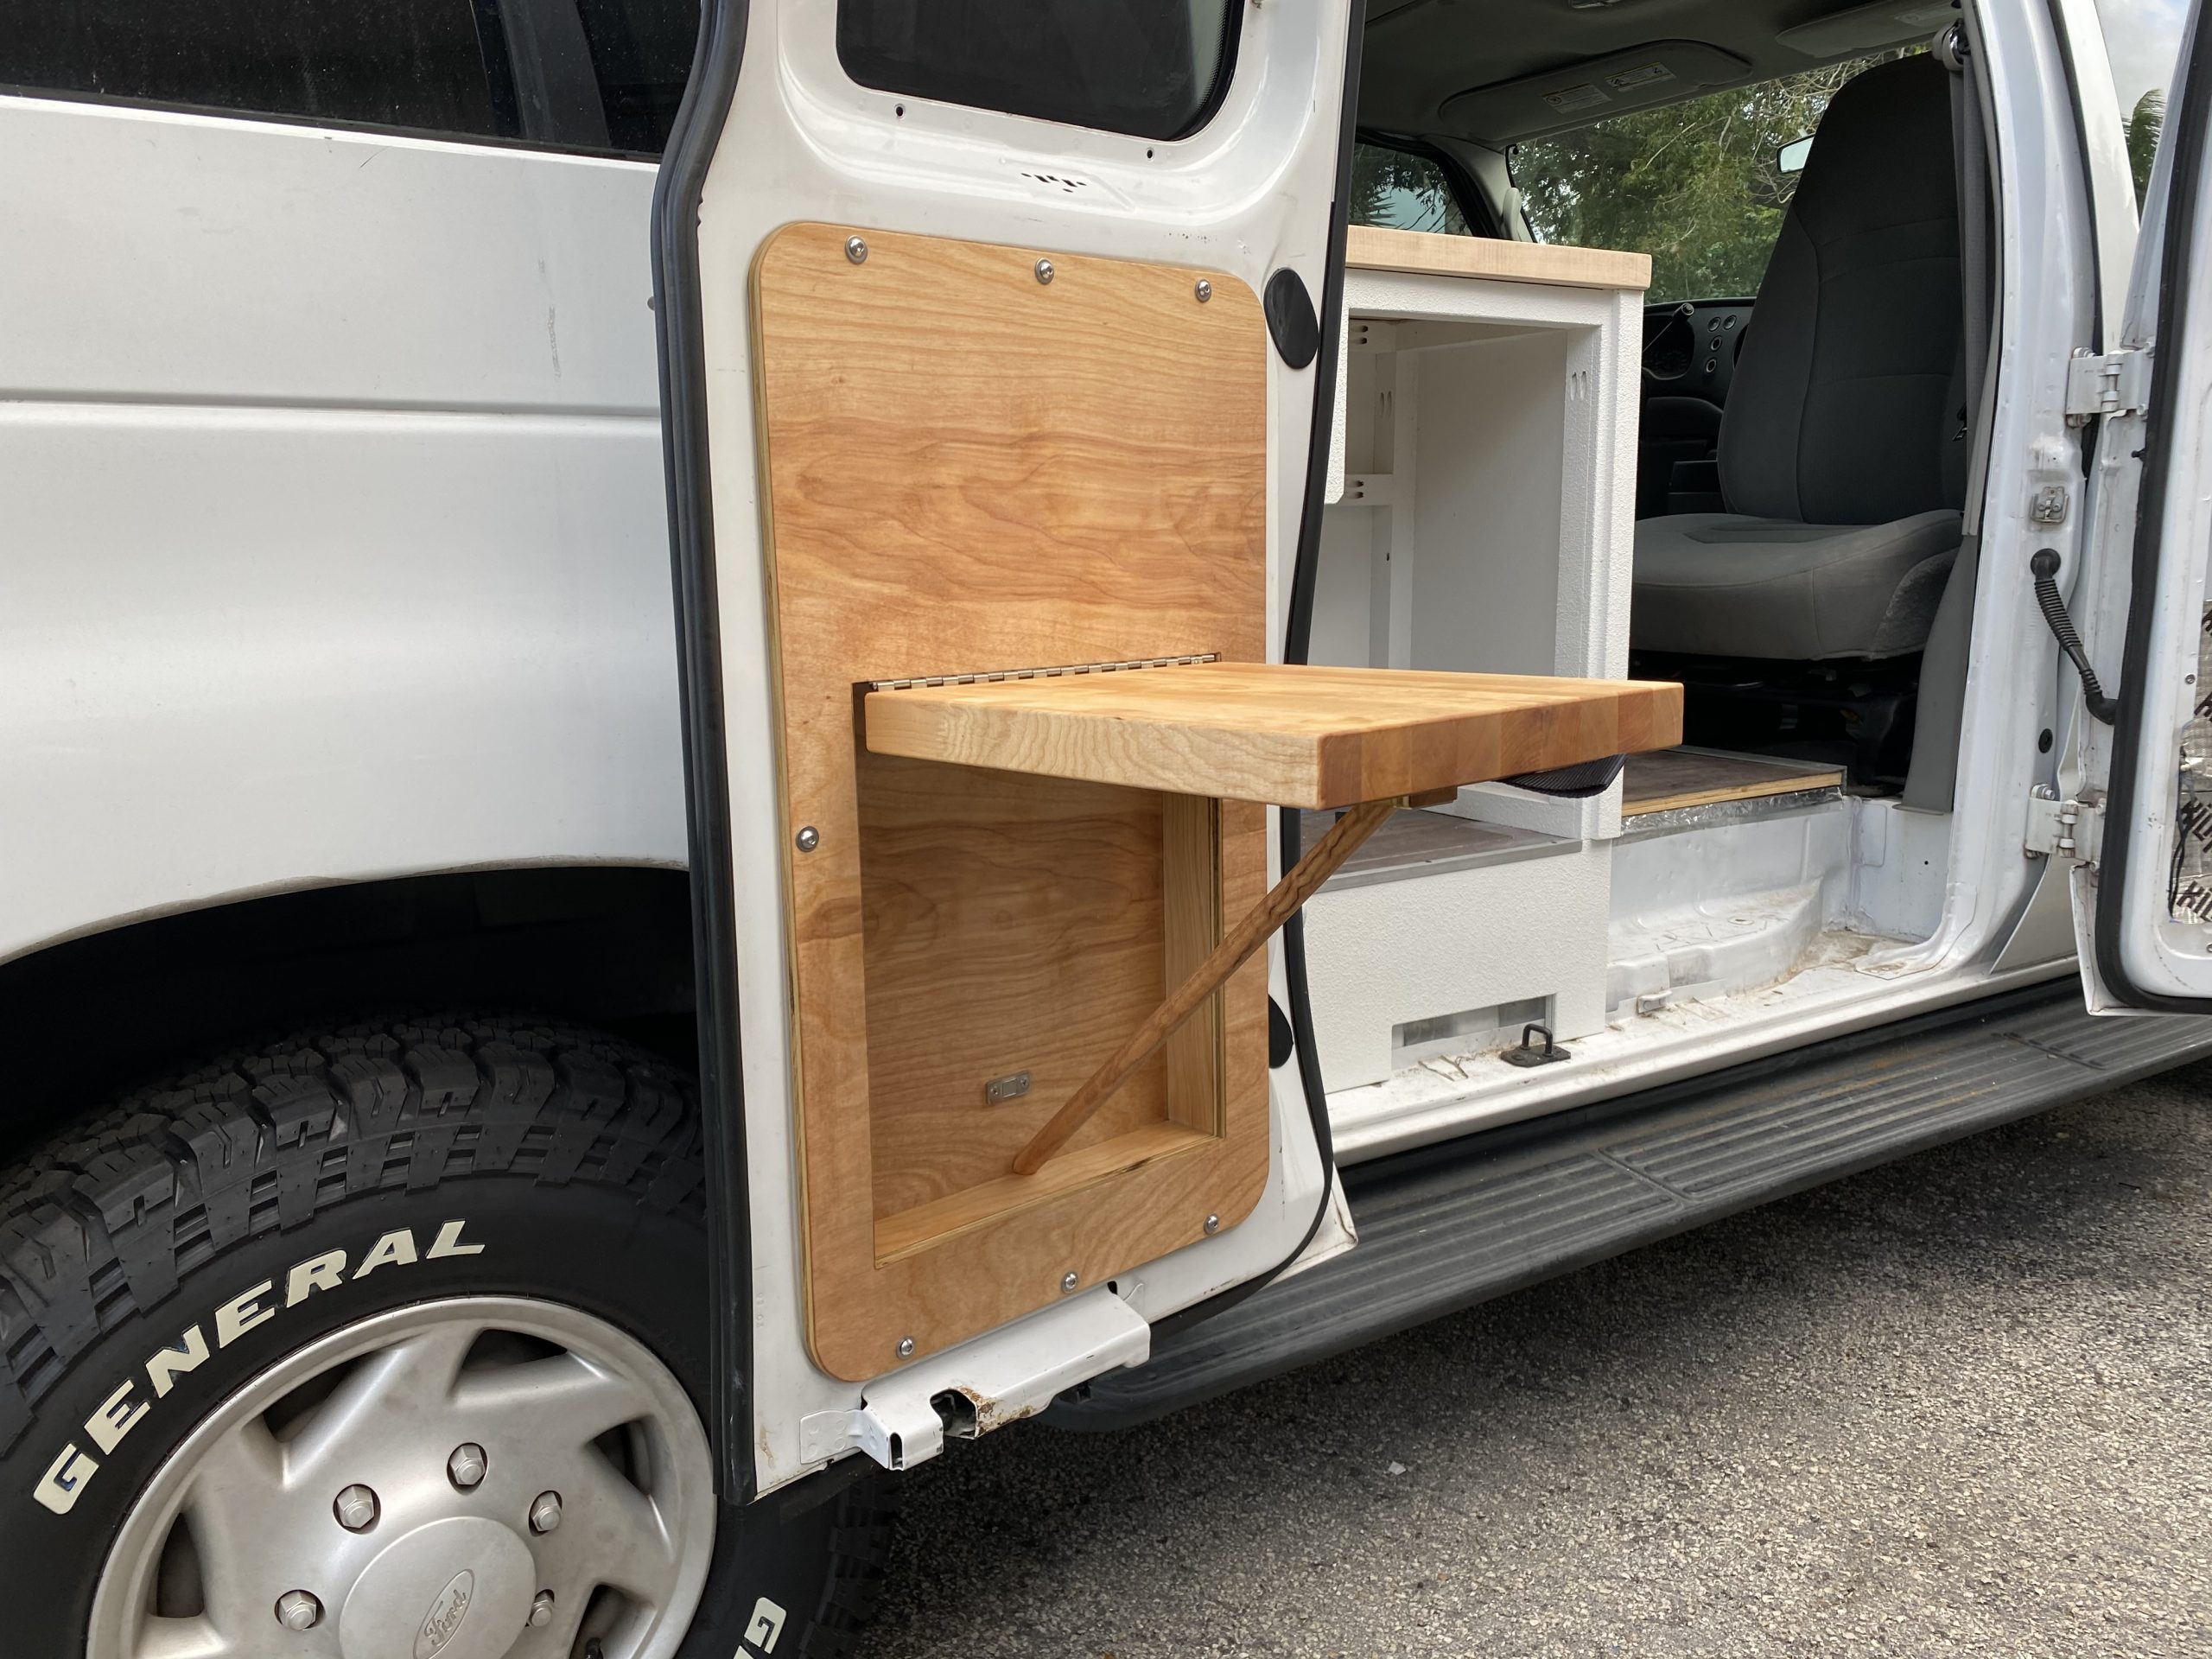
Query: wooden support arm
{"points": [[1237, 947]]}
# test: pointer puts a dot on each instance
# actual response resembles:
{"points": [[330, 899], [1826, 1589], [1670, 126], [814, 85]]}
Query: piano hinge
{"points": [[1044, 673]]}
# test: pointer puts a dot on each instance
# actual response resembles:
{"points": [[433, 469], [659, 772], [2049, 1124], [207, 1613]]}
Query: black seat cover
{"points": [[1842, 453]]}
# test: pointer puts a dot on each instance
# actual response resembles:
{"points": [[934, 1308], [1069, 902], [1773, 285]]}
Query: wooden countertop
{"points": [[1371, 247], [1290, 736]]}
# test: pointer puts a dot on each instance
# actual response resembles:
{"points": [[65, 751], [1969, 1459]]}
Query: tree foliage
{"points": [[1694, 184], [2146, 123], [1402, 189]]}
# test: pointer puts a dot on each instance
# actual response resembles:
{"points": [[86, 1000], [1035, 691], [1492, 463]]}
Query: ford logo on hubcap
{"points": [[443, 1622]]}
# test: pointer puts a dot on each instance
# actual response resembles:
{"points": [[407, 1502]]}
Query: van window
{"points": [[641, 52], [1403, 191], [413, 64], [1698, 185], [1154, 68]]}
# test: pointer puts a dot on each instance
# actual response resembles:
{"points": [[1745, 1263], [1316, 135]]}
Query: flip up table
{"points": [[1029, 1035]]}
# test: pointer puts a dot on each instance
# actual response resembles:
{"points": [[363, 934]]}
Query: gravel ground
{"points": [[1962, 1405]]}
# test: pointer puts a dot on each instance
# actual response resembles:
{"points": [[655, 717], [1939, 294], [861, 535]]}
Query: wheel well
{"points": [[89, 1019]]}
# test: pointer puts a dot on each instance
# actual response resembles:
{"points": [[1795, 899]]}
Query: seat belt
{"points": [[1931, 780], [1970, 160]]}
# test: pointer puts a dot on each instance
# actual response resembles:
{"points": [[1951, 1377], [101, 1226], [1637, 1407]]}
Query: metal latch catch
{"points": [[2107, 382]]}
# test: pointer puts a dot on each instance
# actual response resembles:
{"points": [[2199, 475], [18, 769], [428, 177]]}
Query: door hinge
{"points": [[1011, 1373], [2059, 828], [2107, 382], [995, 676]]}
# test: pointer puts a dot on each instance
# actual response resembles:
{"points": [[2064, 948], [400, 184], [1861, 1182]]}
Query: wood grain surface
{"points": [[1674, 778], [1372, 247], [966, 468], [1291, 736]]}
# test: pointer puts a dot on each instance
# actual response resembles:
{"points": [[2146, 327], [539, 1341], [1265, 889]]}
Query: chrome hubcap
{"points": [[466, 1479]]}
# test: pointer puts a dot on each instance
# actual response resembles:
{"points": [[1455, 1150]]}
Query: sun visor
{"points": [[1861, 28], [1574, 96]]}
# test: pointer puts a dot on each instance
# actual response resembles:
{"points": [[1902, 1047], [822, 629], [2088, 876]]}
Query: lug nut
{"points": [[467, 1466], [545, 1513], [298, 1610], [356, 1509], [540, 1610]]}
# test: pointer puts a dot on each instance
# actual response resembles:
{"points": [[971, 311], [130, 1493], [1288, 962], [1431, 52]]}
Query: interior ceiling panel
{"points": [[1497, 71]]}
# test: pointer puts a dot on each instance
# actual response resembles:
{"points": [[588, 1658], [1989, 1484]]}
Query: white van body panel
{"points": [[335, 534]]}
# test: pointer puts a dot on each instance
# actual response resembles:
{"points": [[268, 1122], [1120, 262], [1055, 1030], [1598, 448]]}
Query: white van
{"points": [[1731, 720]]}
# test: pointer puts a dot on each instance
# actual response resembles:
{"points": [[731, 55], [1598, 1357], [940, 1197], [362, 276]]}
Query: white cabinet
{"points": [[1481, 494]]}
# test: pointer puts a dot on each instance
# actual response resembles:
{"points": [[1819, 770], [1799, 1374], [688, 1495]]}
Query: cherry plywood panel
{"points": [[997, 908], [1374, 247], [1296, 737], [969, 470]]}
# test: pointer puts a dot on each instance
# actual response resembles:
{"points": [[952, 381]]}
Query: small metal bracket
{"points": [[2059, 828], [1043, 673], [1013, 1086], [2107, 382], [998, 1378], [1529, 1054]]}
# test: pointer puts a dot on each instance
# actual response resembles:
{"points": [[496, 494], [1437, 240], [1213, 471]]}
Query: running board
{"points": [[1450, 1225]]}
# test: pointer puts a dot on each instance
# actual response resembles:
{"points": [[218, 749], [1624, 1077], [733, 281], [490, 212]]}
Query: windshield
{"points": [[1698, 185]]}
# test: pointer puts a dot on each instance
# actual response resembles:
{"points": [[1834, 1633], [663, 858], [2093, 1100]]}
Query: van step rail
{"points": [[1444, 1227]]}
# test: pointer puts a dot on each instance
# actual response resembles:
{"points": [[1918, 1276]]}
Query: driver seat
{"points": [[1842, 448]]}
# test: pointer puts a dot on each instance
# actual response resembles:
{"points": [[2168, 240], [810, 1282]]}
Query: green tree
{"points": [[1694, 184], [2147, 122], [1403, 190]]}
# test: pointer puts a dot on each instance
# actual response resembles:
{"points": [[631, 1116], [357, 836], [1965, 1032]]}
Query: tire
{"points": [[188, 1257]]}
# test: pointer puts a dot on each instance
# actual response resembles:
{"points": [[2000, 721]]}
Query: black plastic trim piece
{"points": [[2187, 142], [1297, 639], [1291, 323], [1451, 1225], [693, 140]]}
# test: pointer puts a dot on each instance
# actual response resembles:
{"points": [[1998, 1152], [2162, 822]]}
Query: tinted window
{"points": [[1150, 68], [641, 51], [389, 63], [1404, 190]]}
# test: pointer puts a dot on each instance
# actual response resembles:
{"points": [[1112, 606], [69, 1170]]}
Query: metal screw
{"points": [[1044, 270], [1204, 290], [1213, 1225], [356, 1508], [1068, 1282], [467, 1466], [857, 250], [540, 1610], [808, 838], [906, 1347], [545, 1513], [298, 1610]]}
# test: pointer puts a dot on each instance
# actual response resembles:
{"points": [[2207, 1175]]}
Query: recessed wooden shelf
{"points": [[1270, 732]]}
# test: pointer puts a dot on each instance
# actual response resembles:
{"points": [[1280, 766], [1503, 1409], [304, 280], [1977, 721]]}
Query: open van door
{"points": [[2143, 901], [993, 338]]}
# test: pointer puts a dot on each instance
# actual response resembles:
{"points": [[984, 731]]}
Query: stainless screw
{"points": [[540, 1610], [1213, 1225], [356, 1508], [808, 838], [1044, 270], [467, 1466], [545, 1513], [906, 1347], [298, 1610], [857, 250], [1068, 1282], [1204, 290]]}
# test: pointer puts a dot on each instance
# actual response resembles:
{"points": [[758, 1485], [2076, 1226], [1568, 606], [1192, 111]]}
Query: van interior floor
{"points": [[1672, 784]]}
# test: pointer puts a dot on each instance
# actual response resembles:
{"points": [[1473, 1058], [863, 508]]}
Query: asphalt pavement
{"points": [[1960, 1405]]}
